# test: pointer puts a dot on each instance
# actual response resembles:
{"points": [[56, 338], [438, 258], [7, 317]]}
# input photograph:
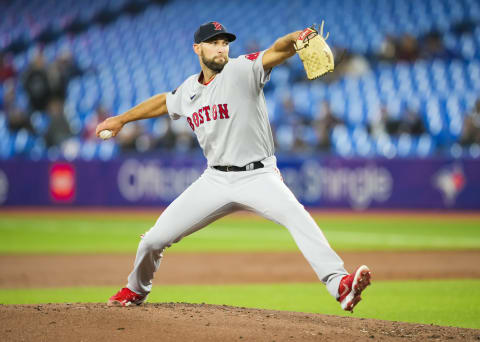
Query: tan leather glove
{"points": [[313, 50]]}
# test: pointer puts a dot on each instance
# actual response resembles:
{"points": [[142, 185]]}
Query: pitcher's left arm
{"points": [[280, 51]]}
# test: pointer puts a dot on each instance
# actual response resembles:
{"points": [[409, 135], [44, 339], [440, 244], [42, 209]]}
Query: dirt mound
{"points": [[201, 322]]}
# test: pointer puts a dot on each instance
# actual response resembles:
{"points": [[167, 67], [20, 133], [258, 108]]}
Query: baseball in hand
{"points": [[105, 134]]}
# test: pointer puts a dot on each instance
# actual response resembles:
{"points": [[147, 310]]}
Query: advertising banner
{"points": [[358, 184]]}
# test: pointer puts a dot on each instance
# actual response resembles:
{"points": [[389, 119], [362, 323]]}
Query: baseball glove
{"points": [[313, 50]]}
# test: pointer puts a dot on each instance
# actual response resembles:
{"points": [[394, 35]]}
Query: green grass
{"points": [[446, 302], [92, 233], [440, 302]]}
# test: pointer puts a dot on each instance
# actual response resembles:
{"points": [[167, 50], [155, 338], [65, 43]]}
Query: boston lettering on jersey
{"points": [[208, 113]]}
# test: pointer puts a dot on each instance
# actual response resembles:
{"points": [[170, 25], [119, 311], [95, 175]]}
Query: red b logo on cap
{"points": [[218, 26]]}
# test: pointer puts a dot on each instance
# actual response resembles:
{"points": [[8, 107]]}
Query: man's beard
{"points": [[212, 65]]}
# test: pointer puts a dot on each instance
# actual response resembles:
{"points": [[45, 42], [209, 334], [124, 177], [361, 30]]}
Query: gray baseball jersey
{"points": [[229, 114]]}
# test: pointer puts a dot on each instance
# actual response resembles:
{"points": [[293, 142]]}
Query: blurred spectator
{"points": [[433, 47], [383, 124], [300, 143], [471, 127], [354, 65], [411, 123], [351, 65], [59, 130], [60, 73], [57, 82], [68, 66], [49, 83], [36, 83], [388, 50], [346, 64], [404, 48], [127, 137], [17, 118], [101, 113], [144, 142], [407, 49], [323, 124], [7, 70]]}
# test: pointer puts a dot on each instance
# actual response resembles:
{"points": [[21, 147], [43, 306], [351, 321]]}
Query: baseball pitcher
{"points": [[224, 105]]}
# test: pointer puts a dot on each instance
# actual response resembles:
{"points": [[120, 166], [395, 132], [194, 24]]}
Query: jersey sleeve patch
{"points": [[252, 56]]}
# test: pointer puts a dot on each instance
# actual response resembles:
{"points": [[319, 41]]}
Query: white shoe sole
{"points": [[117, 303]]}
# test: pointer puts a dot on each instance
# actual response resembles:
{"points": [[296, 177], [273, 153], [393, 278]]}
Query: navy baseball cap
{"points": [[210, 30]]}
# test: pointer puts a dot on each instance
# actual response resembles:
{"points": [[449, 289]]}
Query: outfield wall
{"points": [[325, 183]]}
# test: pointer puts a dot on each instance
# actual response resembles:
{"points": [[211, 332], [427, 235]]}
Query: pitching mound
{"points": [[189, 322]]}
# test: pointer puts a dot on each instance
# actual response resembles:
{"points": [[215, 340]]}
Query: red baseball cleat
{"points": [[351, 287], [126, 297]]}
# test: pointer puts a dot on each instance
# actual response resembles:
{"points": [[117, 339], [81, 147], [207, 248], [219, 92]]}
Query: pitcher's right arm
{"points": [[151, 108]]}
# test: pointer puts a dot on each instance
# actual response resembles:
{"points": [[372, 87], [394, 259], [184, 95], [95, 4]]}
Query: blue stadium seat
{"points": [[136, 56]]}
